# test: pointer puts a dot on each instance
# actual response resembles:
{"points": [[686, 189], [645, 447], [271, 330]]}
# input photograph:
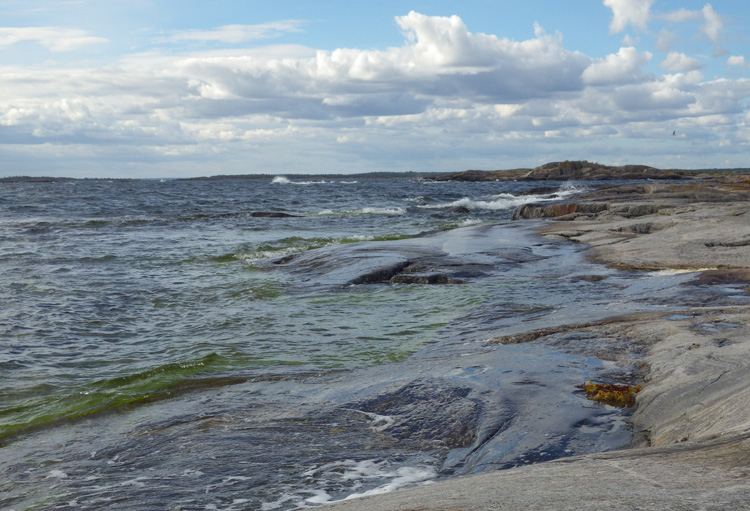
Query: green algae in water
{"points": [[111, 394]]}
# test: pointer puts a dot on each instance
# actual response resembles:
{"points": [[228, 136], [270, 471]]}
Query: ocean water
{"points": [[238, 344]]}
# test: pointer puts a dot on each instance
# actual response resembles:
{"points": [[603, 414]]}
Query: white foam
{"points": [[677, 271], [503, 201], [469, 221], [319, 497], [498, 204], [282, 180], [353, 475], [307, 183], [365, 211], [382, 211], [379, 422], [404, 476]]}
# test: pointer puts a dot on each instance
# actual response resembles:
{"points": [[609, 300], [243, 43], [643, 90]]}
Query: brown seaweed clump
{"points": [[611, 394]]}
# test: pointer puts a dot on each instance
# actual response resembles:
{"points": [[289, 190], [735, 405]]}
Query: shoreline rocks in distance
{"points": [[573, 171]]}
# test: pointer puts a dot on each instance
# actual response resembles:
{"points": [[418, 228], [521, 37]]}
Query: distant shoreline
{"points": [[549, 171]]}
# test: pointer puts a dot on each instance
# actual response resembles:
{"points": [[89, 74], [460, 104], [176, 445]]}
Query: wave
{"points": [[365, 211], [296, 245], [281, 180], [505, 201]]}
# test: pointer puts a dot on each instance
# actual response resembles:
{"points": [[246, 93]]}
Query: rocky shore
{"points": [[692, 417], [573, 170]]}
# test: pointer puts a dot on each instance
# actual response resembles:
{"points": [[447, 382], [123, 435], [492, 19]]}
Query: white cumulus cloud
{"points": [[620, 68], [629, 12], [737, 60], [680, 63]]}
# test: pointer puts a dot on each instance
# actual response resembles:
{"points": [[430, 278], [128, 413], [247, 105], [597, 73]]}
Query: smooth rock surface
{"points": [[693, 414]]}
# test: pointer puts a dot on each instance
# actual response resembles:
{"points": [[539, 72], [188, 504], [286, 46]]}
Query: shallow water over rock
{"points": [[455, 405]]}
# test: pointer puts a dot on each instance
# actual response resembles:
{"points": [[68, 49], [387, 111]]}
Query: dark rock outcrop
{"points": [[436, 278]]}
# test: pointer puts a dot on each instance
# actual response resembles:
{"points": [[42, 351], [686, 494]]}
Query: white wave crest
{"points": [[365, 211], [493, 205], [281, 180], [570, 188], [504, 201]]}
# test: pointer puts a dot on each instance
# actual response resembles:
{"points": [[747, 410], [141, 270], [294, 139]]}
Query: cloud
{"points": [[714, 23], [737, 60], [679, 62], [441, 95], [665, 40], [235, 34], [629, 12], [681, 16], [53, 38], [622, 67]]}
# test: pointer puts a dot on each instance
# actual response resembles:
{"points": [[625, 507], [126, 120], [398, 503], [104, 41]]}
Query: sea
{"points": [[284, 342]]}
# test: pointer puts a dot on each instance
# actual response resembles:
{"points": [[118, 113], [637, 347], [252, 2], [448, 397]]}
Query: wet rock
{"points": [[284, 260], [381, 274], [722, 277], [529, 211], [438, 278], [428, 411], [458, 210], [540, 190]]}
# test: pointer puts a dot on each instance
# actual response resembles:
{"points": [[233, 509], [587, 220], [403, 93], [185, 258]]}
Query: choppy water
{"points": [[186, 345]]}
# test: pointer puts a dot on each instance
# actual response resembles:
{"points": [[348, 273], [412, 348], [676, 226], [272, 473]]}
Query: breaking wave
{"points": [[281, 180], [505, 201], [365, 211]]}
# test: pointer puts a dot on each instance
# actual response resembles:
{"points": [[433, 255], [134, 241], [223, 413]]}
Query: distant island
{"points": [[579, 171]]}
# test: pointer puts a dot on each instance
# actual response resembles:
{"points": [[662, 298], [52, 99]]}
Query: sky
{"points": [[180, 88]]}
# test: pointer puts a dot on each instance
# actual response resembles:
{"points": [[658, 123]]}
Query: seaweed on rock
{"points": [[611, 394]]}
